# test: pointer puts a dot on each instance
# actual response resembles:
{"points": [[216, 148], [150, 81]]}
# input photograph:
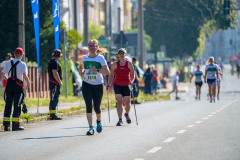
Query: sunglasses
{"points": [[121, 53], [92, 45]]}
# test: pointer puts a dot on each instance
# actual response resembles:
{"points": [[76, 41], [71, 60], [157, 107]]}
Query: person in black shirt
{"points": [[148, 80], [55, 81], [136, 82]]}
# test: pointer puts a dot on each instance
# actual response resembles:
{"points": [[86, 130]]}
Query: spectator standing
{"points": [[148, 81], [175, 84], [136, 82], [238, 70], [155, 79]]}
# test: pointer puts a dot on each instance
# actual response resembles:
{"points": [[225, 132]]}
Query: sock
{"points": [[98, 121]]}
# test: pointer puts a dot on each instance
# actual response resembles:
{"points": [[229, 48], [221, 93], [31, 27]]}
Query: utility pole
{"points": [[110, 28], [75, 27], [21, 26], [106, 6], [85, 23], [140, 34], [119, 19]]}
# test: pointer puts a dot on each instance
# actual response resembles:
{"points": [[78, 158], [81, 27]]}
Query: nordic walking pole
{"points": [[108, 106], [131, 89]]}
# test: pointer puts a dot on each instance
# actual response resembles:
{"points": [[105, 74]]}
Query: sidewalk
{"points": [[182, 87]]}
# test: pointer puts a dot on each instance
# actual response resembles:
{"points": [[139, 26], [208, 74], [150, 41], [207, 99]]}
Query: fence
{"points": [[32, 91]]}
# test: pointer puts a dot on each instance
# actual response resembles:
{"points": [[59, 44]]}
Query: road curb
{"points": [[42, 118]]}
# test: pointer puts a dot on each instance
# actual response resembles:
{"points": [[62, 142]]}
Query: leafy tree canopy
{"points": [[177, 24], [95, 30]]}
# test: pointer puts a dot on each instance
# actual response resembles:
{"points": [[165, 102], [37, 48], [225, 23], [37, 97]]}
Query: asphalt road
{"points": [[186, 129]]}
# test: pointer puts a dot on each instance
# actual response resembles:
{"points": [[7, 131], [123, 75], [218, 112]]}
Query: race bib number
{"points": [[211, 74], [91, 77]]}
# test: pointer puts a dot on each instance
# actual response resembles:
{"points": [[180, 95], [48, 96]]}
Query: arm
{"points": [[69, 75], [217, 74], [56, 77], [130, 66], [205, 76], [111, 75], [26, 79], [191, 78], [105, 70], [4, 76], [136, 76], [81, 69]]}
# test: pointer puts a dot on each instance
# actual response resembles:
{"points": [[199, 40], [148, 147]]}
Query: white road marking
{"points": [[154, 150], [198, 122], [170, 139], [205, 118], [190, 126], [181, 131], [210, 115]]}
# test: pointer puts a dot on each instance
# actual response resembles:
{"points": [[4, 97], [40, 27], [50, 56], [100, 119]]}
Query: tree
{"points": [[178, 24], [9, 30], [95, 31], [73, 37]]}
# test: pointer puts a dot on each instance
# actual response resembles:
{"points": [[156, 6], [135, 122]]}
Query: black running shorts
{"points": [[199, 84], [123, 90]]}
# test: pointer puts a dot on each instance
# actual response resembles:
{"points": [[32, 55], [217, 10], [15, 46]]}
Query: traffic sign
{"points": [[104, 41], [160, 55]]}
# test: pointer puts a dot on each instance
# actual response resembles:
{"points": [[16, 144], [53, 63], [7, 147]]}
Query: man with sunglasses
{"points": [[15, 71], [55, 83], [8, 58]]}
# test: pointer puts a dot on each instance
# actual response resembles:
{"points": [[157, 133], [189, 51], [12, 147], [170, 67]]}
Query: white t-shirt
{"points": [[175, 78], [219, 70], [3, 64], [21, 68], [88, 62], [198, 76], [211, 71]]}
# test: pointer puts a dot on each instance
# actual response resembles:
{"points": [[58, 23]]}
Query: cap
{"points": [[134, 59], [19, 51], [122, 50], [57, 53]]}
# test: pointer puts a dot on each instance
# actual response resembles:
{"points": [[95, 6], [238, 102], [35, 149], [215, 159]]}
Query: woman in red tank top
{"points": [[124, 76]]}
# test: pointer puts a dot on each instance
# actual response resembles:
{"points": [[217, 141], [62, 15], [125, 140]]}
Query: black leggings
{"points": [[92, 93]]}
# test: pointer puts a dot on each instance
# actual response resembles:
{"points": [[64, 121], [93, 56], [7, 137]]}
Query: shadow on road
{"points": [[53, 137], [86, 127]]}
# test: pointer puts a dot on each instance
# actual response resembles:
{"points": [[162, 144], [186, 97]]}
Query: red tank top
{"points": [[122, 75]]}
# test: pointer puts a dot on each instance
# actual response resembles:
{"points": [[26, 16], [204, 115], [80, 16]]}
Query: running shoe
{"points": [[177, 98], [127, 118], [99, 127], [119, 123], [91, 131], [217, 97], [199, 98], [211, 100], [214, 100], [195, 97]]}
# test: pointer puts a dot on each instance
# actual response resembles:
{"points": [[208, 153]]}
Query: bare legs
{"points": [[212, 91], [120, 100]]}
